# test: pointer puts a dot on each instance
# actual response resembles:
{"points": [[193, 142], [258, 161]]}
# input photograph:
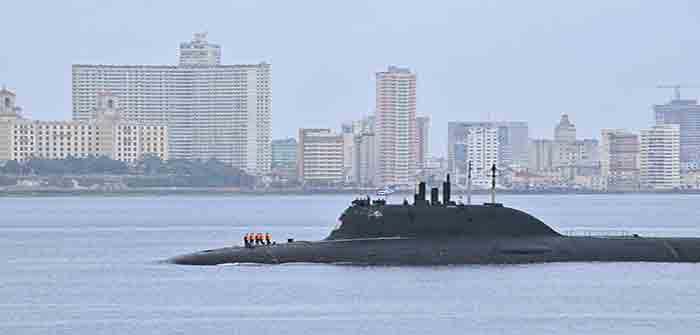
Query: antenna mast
{"points": [[469, 184], [493, 184]]}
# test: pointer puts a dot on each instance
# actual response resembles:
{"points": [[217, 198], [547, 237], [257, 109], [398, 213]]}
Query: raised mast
{"points": [[493, 184], [469, 184]]}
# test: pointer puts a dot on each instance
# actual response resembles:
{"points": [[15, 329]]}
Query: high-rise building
{"points": [[199, 52], [567, 151], [422, 143], [284, 157], [686, 114], [396, 126], [364, 125], [513, 142], [320, 159], [540, 155], [565, 131], [104, 134], [478, 145], [212, 110], [619, 160], [659, 157], [348, 148], [365, 159]]}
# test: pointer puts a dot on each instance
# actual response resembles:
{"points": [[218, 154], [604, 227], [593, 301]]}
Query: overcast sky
{"points": [[598, 61]]}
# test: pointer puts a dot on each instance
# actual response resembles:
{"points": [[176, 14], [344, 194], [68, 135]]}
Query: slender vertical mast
{"points": [[469, 184], [493, 184]]}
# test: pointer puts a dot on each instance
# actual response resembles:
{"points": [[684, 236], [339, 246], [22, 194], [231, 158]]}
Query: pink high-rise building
{"points": [[396, 126]]}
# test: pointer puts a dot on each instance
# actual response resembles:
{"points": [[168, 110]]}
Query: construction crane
{"points": [[676, 89]]}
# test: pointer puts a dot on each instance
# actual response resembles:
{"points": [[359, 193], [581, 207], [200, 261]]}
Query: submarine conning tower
{"points": [[430, 219]]}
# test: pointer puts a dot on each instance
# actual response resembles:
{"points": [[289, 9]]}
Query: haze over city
{"points": [[598, 61]]}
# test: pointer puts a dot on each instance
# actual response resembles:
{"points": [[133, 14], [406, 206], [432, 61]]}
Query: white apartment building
{"points": [[481, 145], [212, 110], [396, 126], [321, 156], [659, 157], [105, 134]]}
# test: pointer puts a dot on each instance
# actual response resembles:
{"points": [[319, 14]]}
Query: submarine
{"points": [[433, 232]]}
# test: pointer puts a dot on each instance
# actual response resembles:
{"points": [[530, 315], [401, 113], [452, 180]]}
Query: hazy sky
{"points": [[599, 61]]}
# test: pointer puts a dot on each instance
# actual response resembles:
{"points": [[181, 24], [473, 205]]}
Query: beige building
{"points": [[321, 156], [105, 134], [567, 150], [660, 157], [422, 140], [619, 160]]}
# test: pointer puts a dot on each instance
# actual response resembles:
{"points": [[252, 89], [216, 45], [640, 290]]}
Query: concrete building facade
{"points": [[567, 151], [320, 158], [478, 145], [104, 134], [422, 141], [565, 131], [365, 159], [212, 110], [199, 52], [396, 126], [659, 157], [540, 155], [284, 157], [513, 142], [686, 114], [619, 160]]}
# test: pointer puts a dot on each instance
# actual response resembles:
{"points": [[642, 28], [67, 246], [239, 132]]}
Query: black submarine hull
{"points": [[464, 250]]}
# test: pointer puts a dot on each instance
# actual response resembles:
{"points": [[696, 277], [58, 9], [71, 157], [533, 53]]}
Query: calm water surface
{"points": [[91, 266]]}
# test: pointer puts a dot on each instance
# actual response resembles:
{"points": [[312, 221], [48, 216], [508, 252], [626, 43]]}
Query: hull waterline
{"points": [[439, 251]]}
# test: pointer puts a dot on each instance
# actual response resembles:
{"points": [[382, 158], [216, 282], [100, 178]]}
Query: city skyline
{"points": [[555, 62]]}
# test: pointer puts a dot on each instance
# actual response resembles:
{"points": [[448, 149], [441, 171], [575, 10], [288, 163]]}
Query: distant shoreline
{"points": [[135, 192]]}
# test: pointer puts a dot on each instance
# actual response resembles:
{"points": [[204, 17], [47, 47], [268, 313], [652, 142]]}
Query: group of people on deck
{"points": [[252, 239]]}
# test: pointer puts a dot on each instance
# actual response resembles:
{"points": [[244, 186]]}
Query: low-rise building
{"points": [[105, 134]]}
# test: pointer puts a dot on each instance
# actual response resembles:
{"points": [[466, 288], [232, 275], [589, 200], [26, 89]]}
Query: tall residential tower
{"points": [[212, 110], [396, 126], [686, 114]]}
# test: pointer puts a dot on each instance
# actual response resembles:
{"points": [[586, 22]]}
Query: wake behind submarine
{"points": [[440, 233]]}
